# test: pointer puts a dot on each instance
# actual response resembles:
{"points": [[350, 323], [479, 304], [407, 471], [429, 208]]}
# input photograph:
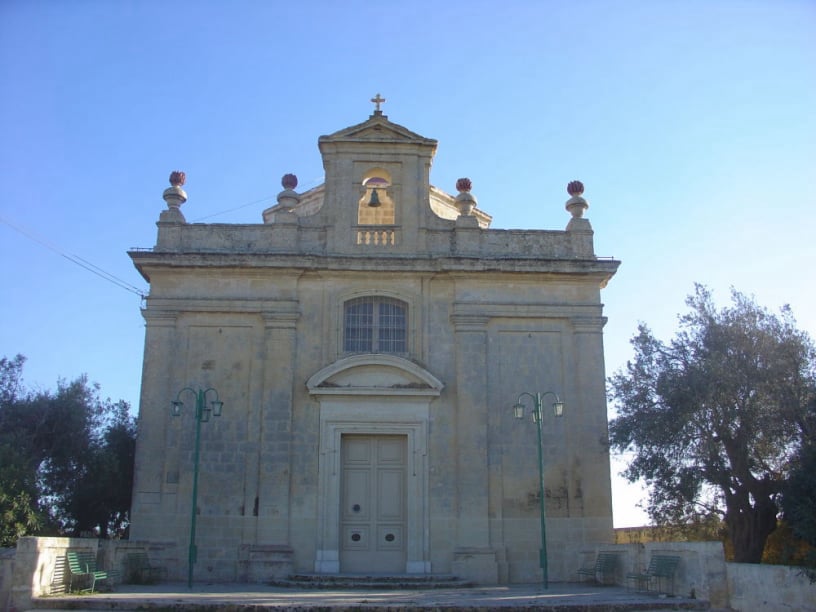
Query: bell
{"points": [[374, 202]]}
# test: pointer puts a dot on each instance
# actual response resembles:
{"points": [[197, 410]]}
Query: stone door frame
{"points": [[373, 395]]}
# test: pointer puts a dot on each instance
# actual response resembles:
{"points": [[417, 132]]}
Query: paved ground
{"points": [[228, 597]]}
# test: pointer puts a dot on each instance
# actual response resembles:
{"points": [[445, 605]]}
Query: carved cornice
{"points": [[160, 318], [280, 319], [396, 377], [588, 325], [237, 305], [584, 318], [527, 311], [470, 322], [150, 263]]}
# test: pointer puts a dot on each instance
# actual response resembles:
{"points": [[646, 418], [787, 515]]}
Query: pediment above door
{"points": [[374, 375]]}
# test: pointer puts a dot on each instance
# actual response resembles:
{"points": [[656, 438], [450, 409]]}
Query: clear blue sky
{"points": [[690, 122]]}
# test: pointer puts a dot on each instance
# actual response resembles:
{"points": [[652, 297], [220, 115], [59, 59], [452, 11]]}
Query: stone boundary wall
{"points": [[29, 570], [6, 569], [701, 573], [33, 567], [754, 587]]}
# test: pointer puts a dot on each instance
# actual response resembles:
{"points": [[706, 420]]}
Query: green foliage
{"points": [[18, 511], [711, 529], [99, 498], [11, 379], [799, 496], [784, 547], [67, 459], [714, 416]]}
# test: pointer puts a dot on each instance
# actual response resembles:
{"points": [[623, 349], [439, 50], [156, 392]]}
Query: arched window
{"points": [[375, 324]]}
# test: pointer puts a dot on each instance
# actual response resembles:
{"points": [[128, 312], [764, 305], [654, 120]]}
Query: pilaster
{"points": [[590, 395], [154, 412], [581, 237], [275, 421], [473, 556], [467, 236]]}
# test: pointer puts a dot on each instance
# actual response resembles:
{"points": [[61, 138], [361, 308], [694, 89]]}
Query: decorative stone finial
{"points": [[465, 201], [288, 198], [575, 188], [177, 178], [174, 195], [464, 184], [576, 205], [289, 181]]}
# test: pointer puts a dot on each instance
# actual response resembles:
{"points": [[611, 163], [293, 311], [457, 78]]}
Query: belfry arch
{"points": [[376, 206]]}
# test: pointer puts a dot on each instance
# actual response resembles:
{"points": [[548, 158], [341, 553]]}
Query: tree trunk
{"points": [[748, 529]]}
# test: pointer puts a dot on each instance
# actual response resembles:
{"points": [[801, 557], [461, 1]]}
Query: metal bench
{"points": [[605, 565], [141, 571], [661, 569], [84, 574]]}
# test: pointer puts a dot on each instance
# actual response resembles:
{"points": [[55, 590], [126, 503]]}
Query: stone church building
{"points": [[369, 339]]}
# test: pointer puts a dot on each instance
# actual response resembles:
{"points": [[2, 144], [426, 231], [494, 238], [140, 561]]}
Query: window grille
{"points": [[375, 325]]}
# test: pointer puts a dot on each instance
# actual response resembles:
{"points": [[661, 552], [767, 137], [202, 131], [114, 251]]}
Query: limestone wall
{"points": [[303, 239], [258, 335], [257, 310], [29, 571], [704, 574], [754, 587], [701, 573], [35, 567], [6, 572]]}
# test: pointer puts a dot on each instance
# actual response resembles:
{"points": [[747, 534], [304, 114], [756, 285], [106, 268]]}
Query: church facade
{"points": [[368, 341]]}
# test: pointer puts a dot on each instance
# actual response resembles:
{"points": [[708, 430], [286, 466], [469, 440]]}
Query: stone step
{"points": [[391, 582], [243, 597]]}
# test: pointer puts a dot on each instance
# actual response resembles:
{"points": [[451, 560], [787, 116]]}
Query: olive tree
{"points": [[714, 416], [799, 498], [66, 458]]}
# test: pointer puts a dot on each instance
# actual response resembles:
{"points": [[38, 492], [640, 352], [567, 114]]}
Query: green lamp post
{"points": [[538, 414], [202, 415]]}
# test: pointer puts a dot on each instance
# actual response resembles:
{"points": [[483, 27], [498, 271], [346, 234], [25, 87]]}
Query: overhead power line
{"points": [[94, 269], [75, 259], [229, 210], [309, 185]]}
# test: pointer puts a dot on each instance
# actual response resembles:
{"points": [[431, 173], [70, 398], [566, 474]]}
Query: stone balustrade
{"points": [[299, 239]]}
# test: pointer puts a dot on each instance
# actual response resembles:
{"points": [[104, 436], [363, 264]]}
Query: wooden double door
{"points": [[372, 514]]}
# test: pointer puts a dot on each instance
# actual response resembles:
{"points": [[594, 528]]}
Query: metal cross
{"points": [[377, 100]]}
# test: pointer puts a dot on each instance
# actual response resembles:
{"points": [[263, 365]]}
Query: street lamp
{"points": [[538, 414], [202, 415]]}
